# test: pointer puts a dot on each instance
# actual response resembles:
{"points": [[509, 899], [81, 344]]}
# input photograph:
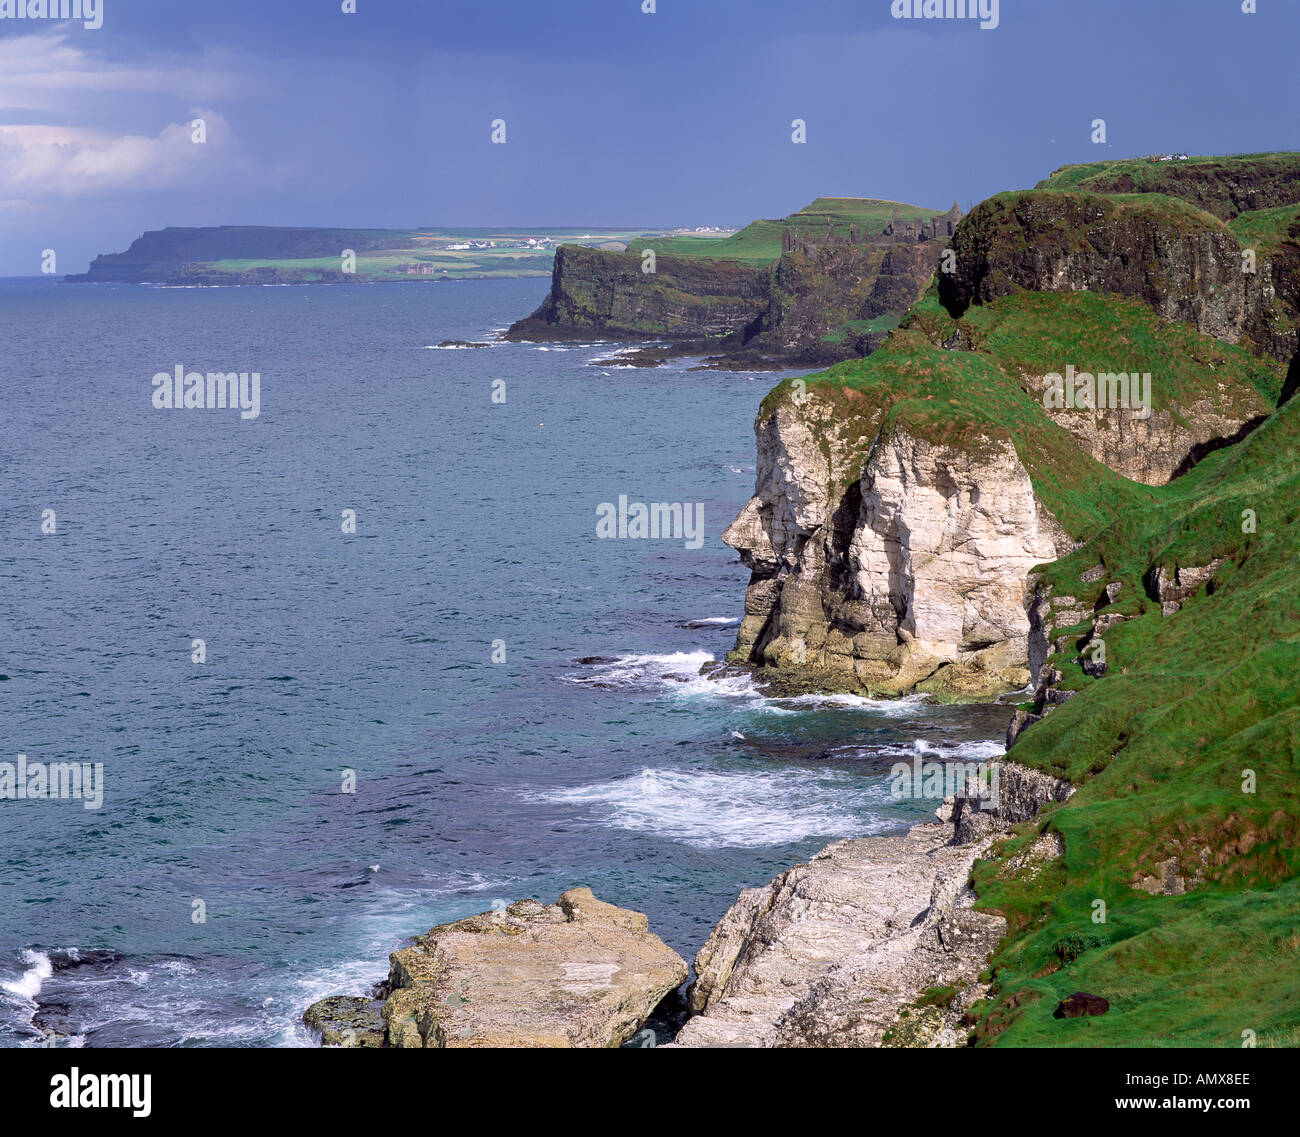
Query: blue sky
{"points": [[613, 116]]}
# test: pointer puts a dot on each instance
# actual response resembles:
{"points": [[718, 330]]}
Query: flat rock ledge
{"points": [[580, 973], [874, 942]]}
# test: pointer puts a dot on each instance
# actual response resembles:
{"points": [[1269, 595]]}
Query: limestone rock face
{"points": [[874, 571], [831, 951], [842, 951], [944, 541], [580, 973], [1153, 450], [1173, 587]]}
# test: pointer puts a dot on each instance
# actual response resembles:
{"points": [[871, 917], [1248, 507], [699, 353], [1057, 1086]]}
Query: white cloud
{"points": [[50, 152], [44, 162], [47, 72]]}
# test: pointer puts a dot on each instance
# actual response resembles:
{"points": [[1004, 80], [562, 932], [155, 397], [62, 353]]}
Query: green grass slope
{"points": [[1162, 747], [1186, 752]]}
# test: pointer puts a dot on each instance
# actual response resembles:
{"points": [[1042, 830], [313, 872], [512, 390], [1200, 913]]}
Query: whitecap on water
{"points": [[28, 986], [715, 810]]}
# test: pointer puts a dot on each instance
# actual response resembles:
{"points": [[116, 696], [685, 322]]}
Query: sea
{"points": [[360, 665]]}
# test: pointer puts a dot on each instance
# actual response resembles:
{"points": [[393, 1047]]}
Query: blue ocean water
{"points": [[594, 754]]}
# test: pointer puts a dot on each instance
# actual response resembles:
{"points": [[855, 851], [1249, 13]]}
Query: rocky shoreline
{"points": [[874, 942]]}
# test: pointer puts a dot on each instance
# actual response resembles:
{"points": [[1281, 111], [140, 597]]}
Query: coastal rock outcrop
{"points": [[876, 571], [1184, 263], [346, 1020], [901, 501], [580, 973], [817, 290], [874, 942]]}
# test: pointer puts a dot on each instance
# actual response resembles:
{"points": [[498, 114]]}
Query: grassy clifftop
{"points": [[989, 386], [759, 242], [1224, 186]]}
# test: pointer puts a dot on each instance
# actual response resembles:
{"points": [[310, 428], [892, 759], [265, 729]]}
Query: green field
{"points": [[1154, 171], [1266, 229], [760, 241], [430, 254]]}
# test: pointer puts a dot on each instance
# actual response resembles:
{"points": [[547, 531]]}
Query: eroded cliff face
{"points": [[814, 293], [1155, 449], [1224, 187], [747, 313], [897, 568], [603, 294], [1186, 264]]}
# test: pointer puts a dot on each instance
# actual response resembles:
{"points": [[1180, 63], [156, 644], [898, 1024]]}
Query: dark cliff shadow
{"points": [[954, 295], [1292, 382], [1198, 452], [844, 523]]}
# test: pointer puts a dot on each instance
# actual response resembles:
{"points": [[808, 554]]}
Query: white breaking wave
{"points": [[33, 979], [891, 708], [721, 810], [617, 352], [981, 750], [678, 674], [968, 751], [679, 667]]}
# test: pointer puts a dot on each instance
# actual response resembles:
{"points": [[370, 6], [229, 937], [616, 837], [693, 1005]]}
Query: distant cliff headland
{"points": [[824, 284], [261, 254]]}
